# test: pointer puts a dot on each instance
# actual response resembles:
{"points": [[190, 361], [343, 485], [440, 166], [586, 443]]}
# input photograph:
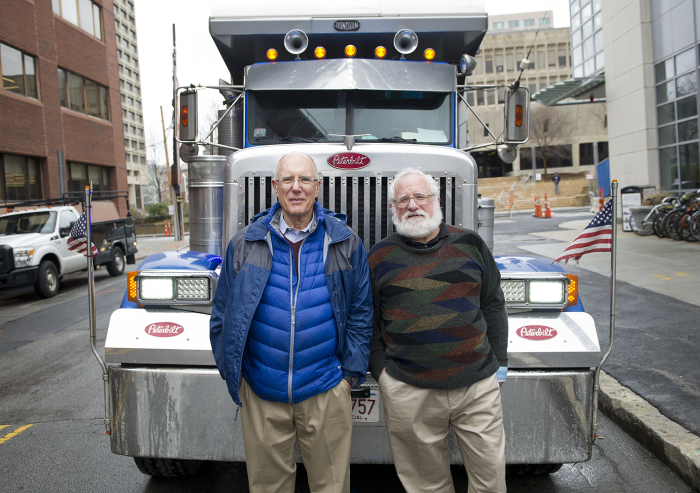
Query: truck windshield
{"points": [[324, 116], [36, 222]]}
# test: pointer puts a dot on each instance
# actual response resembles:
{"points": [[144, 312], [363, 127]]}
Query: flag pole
{"points": [[613, 286], [91, 301]]}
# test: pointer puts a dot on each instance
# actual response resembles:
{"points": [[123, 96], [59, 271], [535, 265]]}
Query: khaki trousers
{"points": [[418, 421], [323, 426]]}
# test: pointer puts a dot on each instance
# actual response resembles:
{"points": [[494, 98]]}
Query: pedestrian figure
{"points": [[556, 179], [291, 323], [440, 339]]}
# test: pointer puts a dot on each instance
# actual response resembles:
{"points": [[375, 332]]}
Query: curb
{"points": [[675, 446]]}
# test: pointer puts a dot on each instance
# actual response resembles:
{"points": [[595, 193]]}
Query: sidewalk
{"points": [[148, 245], [669, 268]]}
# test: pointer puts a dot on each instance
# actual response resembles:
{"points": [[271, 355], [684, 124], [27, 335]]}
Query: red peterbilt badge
{"points": [[348, 160], [536, 332], [164, 329]]}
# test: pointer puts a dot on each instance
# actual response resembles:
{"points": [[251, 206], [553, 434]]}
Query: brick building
{"points": [[60, 106]]}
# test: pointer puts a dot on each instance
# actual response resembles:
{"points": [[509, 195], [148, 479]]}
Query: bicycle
{"points": [[643, 217]]}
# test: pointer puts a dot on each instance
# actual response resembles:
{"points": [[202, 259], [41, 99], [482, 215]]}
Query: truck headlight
{"points": [[23, 256], [547, 291], [550, 290], [162, 287]]}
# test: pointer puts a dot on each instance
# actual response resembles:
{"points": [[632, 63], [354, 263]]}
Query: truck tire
{"points": [[46, 285], [167, 468], [532, 469], [116, 266]]}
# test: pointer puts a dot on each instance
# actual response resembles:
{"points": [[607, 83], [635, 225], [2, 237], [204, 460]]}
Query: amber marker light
{"points": [[429, 54], [320, 52], [380, 52], [272, 54], [350, 51], [572, 295], [519, 115], [183, 116], [131, 286]]}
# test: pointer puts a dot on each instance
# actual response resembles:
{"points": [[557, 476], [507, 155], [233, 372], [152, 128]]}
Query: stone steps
{"points": [[573, 192]]}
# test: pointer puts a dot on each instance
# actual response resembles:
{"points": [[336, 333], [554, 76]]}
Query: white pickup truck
{"points": [[33, 247]]}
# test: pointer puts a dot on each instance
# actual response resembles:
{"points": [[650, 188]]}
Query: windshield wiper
{"points": [[396, 139], [294, 138]]}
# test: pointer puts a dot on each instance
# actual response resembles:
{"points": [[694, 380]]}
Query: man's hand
{"points": [[347, 384], [500, 384]]}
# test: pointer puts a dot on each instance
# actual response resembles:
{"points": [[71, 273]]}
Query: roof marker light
{"points": [[380, 52], [350, 51], [320, 52], [429, 54], [272, 54]]}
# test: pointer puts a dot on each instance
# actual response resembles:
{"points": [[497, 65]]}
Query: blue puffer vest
{"points": [[290, 353]]}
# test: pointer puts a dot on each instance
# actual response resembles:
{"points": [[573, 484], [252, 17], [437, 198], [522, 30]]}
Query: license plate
{"points": [[366, 410]]}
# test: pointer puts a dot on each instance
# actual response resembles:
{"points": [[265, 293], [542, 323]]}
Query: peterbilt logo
{"points": [[164, 329], [347, 25], [348, 160], [536, 332]]}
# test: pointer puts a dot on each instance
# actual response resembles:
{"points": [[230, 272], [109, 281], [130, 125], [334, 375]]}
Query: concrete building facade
{"points": [[60, 110], [651, 79], [132, 105], [549, 63]]}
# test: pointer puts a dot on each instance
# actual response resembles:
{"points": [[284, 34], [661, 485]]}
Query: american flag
{"points": [[77, 240], [597, 237]]}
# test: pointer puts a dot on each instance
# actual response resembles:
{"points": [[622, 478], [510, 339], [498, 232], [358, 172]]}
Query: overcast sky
{"points": [[198, 60]]}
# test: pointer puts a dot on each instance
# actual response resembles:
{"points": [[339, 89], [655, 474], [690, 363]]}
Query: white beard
{"points": [[417, 228]]}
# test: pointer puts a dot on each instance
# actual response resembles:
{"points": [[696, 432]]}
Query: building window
{"points": [[136, 76], [128, 58], [529, 22], [677, 117], [131, 115], [545, 22], [20, 178], [139, 132], [488, 62], [139, 118], [123, 14], [126, 143], [143, 159], [499, 63], [498, 25], [130, 86], [125, 29], [133, 33], [137, 191], [486, 129], [83, 95], [81, 175], [82, 13], [133, 129], [562, 58], [138, 104], [128, 72], [119, 53], [126, 128], [513, 23], [18, 72], [128, 158]]}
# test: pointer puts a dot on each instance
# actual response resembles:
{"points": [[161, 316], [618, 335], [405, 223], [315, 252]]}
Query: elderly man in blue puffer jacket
{"points": [[290, 331]]}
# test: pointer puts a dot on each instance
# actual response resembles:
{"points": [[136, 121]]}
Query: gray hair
{"points": [[277, 168], [434, 189]]}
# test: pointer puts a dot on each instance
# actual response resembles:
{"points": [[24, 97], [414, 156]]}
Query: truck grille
{"points": [[6, 259], [362, 196]]}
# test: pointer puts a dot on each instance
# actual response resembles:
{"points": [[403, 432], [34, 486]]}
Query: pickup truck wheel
{"points": [[47, 284], [532, 469], [167, 468], [116, 266]]}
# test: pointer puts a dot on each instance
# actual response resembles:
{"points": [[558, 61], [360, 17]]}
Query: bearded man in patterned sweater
{"points": [[440, 337]]}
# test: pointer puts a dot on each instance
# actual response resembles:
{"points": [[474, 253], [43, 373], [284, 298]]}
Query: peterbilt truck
{"points": [[364, 95]]}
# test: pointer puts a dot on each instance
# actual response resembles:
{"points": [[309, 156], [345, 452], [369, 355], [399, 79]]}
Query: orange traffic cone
{"points": [[547, 209], [538, 208], [167, 229], [601, 200]]}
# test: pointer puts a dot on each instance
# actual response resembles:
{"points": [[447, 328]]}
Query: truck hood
{"points": [[21, 240]]}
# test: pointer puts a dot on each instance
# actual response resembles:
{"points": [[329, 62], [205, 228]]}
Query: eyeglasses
{"points": [[418, 198], [304, 181]]}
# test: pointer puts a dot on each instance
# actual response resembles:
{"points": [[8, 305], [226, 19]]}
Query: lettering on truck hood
{"points": [[348, 160]]}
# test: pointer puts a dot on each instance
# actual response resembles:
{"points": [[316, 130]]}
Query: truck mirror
{"points": [[188, 116], [517, 123]]}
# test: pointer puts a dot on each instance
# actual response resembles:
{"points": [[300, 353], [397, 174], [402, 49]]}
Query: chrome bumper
{"points": [[187, 413]]}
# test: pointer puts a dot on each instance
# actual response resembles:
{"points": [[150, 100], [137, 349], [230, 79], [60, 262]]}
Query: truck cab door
{"points": [[72, 261]]}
